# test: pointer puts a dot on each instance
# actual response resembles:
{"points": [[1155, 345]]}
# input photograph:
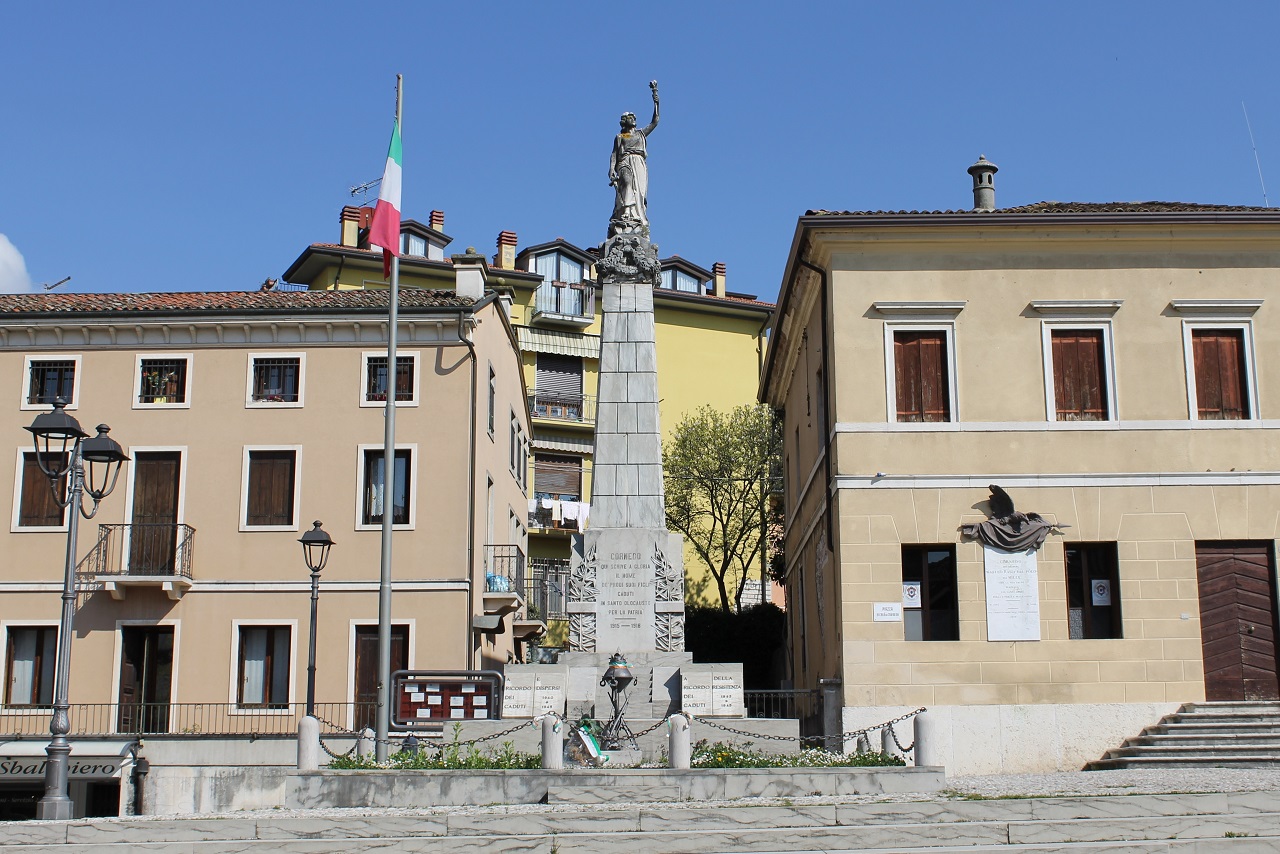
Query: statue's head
{"points": [[628, 121]]}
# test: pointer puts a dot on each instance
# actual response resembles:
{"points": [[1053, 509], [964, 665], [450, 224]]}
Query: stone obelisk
{"points": [[626, 587]]}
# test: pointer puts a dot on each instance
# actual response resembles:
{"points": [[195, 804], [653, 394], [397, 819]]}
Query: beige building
{"points": [[247, 416], [1112, 366]]}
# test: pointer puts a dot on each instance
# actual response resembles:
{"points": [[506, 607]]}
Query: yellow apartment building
{"points": [[1113, 368]]}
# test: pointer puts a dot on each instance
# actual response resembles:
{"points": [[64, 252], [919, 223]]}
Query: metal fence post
{"points": [[308, 744], [552, 744], [832, 714], [679, 742]]}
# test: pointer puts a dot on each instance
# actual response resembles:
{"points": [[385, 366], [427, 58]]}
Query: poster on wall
{"points": [[1102, 591], [911, 594], [1013, 595]]}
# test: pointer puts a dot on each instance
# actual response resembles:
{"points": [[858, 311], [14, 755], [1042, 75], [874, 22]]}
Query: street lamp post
{"points": [[62, 448], [315, 551]]}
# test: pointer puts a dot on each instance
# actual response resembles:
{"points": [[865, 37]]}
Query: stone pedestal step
{"points": [[613, 794]]}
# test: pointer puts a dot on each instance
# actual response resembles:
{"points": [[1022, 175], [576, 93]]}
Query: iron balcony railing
{"points": [[569, 300], [790, 704], [578, 408], [503, 569], [548, 588], [193, 719], [141, 548]]}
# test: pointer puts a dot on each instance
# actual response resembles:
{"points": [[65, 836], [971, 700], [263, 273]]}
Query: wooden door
{"points": [[367, 669], [1238, 620], [146, 678], [153, 535]]}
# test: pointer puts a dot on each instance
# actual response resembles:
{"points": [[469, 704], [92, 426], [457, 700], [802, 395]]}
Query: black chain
{"points": [[910, 747]]}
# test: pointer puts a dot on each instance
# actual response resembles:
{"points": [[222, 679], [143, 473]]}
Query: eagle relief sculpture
{"points": [[1010, 529]]}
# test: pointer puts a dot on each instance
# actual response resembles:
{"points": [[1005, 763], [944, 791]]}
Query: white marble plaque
{"points": [[625, 589], [697, 691], [1013, 595], [727, 693], [549, 692]]}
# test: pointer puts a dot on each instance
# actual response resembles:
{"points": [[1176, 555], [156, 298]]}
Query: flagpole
{"points": [[383, 717]]}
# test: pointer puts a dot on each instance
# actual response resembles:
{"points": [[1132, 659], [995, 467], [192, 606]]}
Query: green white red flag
{"points": [[385, 229]]}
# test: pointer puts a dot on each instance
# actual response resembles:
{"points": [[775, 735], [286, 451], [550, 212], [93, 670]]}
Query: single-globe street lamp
{"points": [[62, 449], [315, 551]]}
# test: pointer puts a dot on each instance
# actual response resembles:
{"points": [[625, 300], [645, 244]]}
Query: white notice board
{"points": [[1013, 595]]}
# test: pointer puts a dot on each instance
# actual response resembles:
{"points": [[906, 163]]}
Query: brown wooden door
{"points": [[1238, 620], [153, 536], [367, 669], [146, 678]]}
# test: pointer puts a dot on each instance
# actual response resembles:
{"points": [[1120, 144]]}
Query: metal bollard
{"points": [[365, 743], [679, 742], [886, 740], [308, 744], [552, 743], [927, 747]]}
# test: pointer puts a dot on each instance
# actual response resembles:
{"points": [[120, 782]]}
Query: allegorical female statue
{"points": [[629, 174]]}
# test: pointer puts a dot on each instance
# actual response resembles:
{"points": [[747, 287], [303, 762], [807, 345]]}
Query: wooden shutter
{"points": [[1079, 378], [920, 363], [38, 508], [1221, 393], [271, 477], [558, 475]]}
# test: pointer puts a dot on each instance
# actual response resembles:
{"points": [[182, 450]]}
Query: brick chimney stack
{"points": [[437, 220], [506, 257], [354, 220], [717, 269]]}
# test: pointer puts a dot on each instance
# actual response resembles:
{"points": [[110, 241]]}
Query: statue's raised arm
{"points": [[629, 173], [648, 129]]}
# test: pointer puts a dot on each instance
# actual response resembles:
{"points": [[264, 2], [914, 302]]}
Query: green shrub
{"points": [[447, 757], [721, 755]]}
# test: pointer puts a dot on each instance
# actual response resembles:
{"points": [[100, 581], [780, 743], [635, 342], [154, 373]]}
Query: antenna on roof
{"points": [[1265, 204], [49, 287], [362, 190]]}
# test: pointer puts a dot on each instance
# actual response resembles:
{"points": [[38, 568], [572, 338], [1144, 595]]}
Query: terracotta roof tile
{"points": [[1071, 208], [226, 301]]}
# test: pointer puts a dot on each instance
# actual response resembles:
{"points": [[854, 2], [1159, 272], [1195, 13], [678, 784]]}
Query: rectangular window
{"points": [[375, 486], [921, 370], [1079, 374], [1093, 591], [162, 381], [48, 379], [37, 506], [558, 387], [557, 476], [275, 379], [931, 569], [493, 399], [1221, 376], [30, 654], [519, 453], [375, 382], [269, 499], [264, 667]]}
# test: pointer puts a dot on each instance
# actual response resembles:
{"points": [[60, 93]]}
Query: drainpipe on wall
{"points": [[467, 648]]}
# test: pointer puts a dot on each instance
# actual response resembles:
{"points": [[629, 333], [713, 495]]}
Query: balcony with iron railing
{"points": [[565, 304], [503, 579], [558, 406], [143, 554], [547, 588]]}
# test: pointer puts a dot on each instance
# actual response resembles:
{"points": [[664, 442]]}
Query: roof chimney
{"points": [[506, 257], [471, 274], [984, 188], [437, 220], [717, 270], [353, 220]]}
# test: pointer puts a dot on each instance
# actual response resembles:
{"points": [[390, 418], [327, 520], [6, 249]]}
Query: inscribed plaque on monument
{"points": [[697, 691], [1013, 595], [517, 695], [726, 690], [625, 589]]}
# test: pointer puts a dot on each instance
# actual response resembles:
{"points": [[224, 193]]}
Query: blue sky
{"points": [[185, 146]]}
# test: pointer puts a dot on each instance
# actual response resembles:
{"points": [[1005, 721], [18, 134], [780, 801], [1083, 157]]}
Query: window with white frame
{"points": [[50, 377], [1079, 374], [276, 379], [519, 452], [162, 379], [264, 659], [376, 380], [373, 489], [493, 400], [1217, 342], [270, 494], [555, 267], [35, 505], [921, 384], [30, 655]]}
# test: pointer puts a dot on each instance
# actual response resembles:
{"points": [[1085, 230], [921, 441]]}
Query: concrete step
{"points": [[1121, 762], [1218, 750], [1263, 741], [613, 794], [1261, 707], [1190, 823], [1194, 728]]}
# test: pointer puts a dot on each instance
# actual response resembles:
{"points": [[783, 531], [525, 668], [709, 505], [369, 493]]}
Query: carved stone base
{"points": [[629, 258]]}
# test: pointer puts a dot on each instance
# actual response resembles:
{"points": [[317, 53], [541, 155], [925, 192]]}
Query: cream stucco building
{"points": [[1113, 367]]}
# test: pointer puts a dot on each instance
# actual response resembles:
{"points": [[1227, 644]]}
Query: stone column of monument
{"points": [[626, 587]]}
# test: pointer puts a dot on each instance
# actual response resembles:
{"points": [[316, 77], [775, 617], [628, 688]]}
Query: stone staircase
{"points": [[1236, 823], [1204, 735]]}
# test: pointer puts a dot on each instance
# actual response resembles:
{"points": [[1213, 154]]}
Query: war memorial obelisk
{"points": [[626, 586]]}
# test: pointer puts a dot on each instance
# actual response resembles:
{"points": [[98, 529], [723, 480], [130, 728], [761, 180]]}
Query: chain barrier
{"points": [[905, 750]]}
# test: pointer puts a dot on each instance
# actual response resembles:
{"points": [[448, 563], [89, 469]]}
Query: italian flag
{"points": [[385, 231]]}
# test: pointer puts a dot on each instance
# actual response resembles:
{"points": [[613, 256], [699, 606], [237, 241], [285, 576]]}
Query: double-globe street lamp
{"points": [[62, 449], [315, 551]]}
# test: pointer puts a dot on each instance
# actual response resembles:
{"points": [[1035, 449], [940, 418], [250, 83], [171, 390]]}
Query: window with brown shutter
{"points": [[557, 476], [271, 478], [920, 365], [38, 508], [1079, 375], [1222, 392]]}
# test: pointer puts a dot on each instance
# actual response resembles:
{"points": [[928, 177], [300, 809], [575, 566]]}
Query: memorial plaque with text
{"points": [[1013, 595]]}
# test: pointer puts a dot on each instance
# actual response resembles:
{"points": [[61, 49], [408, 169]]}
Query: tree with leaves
{"points": [[718, 468]]}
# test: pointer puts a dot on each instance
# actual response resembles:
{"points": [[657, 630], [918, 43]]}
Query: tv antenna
{"points": [[1265, 204], [362, 190], [49, 287]]}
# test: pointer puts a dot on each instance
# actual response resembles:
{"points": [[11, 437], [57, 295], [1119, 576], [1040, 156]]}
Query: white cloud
{"points": [[13, 269]]}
